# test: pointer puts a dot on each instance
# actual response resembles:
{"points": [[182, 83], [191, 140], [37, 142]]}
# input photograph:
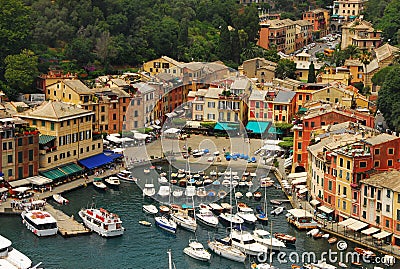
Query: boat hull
{"points": [[102, 232], [188, 252], [226, 252], [205, 222], [165, 227]]}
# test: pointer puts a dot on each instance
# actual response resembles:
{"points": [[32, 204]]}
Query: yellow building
{"points": [[348, 9], [161, 65], [356, 70], [361, 34], [339, 74], [303, 62], [284, 106], [259, 68], [66, 133], [290, 40], [71, 91]]}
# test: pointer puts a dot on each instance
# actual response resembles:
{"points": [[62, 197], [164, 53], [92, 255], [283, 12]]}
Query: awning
{"points": [[299, 213], [21, 182], [193, 124], [381, 235], [3, 189], [71, 169], [226, 126], [273, 130], [44, 139], [53, 174], [314, 202], [302, 110], [347, 222], [96, 161], [258, 127], [304, 190], [370, 231], [297, 175], [172, 131], [140, 136], [325, 209], [21, 189], [115, 155], [299, 181], [39, 180], [357, 225]]}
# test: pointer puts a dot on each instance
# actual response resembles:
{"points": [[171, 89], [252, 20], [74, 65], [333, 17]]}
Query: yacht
{"points": [[228, 218], [190, 191], [149, 190], [164, 191], [102, 222], [226, 250], [197, 251], [177, 193], [98, 183], [113, 181], [150, 209], [166, 224], [206, 217], [184, 220], [246, 243], [11, 258], [40, 222], [265, 238], [246, 213], [126, 175]]}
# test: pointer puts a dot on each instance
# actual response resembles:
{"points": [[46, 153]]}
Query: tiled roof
{"points": [[387, 179], [213, 92], [284, 96], [170, 60], [384, 52], [54, 110], [119, 82], [240, 84], [381, 138], [257, 95], [353, 62], [77, 86]]}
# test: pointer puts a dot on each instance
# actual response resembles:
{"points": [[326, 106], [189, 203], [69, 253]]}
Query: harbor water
{"points": [[140, 246]]}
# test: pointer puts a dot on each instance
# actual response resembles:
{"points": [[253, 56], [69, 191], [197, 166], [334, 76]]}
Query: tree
{"points": [[389, 99], [286, 69], [311, 73], [21, 70], [365, 58]]}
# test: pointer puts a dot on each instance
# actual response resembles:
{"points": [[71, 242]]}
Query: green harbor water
{"points": [[140, 246]]}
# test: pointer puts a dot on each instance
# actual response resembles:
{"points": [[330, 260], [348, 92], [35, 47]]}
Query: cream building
{"points": [[164, 64], [290, 40], [68, 131]]}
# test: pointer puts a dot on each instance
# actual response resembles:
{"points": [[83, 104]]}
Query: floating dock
{"points": [[67, 225]]}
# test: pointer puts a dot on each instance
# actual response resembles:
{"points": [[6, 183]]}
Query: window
{"points": [[344, 205], [379, 206], [329, 185], [30, 140], [348, 164], [299, 157], [300, 133], [30, 170], [364, 214], [10, 145], [20, 157], [299, 145], [4, 146], [312, 124], [398, 215], [300, 97], [257, 104], [391, 151], [199, 107], [30, 155], [376, 151], [376, 163], [19, 141], [363, 164], [390, 162], [341, 162], [378, 195], [114, 116], [103, 108], [49, 160], [9, 158], [387, 208], [388, 193], [52, 126], [387, 223], [114, 126], [34, 122], [10, 172]]}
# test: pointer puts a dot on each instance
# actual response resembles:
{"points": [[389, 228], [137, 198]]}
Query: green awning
{"points": [[257, 127], [273, 130], [53, 174], [44, 139], [335, 16], [352, 17], [302, 110], [226, 126], [71, 169]]}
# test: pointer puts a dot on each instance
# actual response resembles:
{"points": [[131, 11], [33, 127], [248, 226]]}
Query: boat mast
{"points": [[169, 259], [270, 250]]}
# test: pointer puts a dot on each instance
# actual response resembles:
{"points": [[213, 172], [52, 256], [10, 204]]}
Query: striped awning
{"points": [[381, 235], [357, 225], [44, 139], [71, 169], [370, 231], [53, 174]]}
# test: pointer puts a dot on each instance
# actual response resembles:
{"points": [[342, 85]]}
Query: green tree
{"points": [[389, 23], [380, 76], [21, 71], [286, 69], [311, 73], [365, 58]]}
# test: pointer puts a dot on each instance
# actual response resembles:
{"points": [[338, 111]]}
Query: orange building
{"points": [[319, 18]]}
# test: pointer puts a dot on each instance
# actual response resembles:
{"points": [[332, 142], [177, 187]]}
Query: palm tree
{"points": [[365, 58], [352, 52]]}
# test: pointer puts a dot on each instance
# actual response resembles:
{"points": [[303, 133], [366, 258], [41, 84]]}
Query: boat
{"points": [[238, 195], [257, 195], [206, 217], [332, 240], [249, 194], [265, 238], [226, 207], [245, 242], [263, 266], [312, 232], [342, 264], [318, 235], [59, 199], [166, 224], [323, 265], [356, 264], [246, 213], [177, 193], [126, 176], [201, 192], [221, 194], [275, 202], [149, 190], [190, 191], [146, 171], [150, 209], [164, 209], [11, 258], [278, 210], [101, 221], [213, 173], [228, 218], [145, 223], [364, 252], [40, 222], [162, 180], [197, 251], [164, 191], [98, 183], [226, 250], [285, 238], [182, 219], [113, 181]]}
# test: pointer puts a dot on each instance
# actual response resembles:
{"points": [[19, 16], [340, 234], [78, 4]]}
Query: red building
{"points": [[27, 155], [315, 120]]}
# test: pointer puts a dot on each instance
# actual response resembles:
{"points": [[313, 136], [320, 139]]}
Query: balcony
{"points": [[47, 150], [355, 185], [229, 97]]}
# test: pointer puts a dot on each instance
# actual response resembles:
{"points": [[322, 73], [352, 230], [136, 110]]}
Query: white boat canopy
{"points": [[140, 136], [370, 231], [357, 225], [303, 190], [299, 213], [3, 189], [381, 235], [325, 209], [314, 202], [299, 180]]}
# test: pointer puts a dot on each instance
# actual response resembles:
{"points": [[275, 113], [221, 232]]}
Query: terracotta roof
{"points": [[77, 86], [213, 93], [385, 51], [353, 62], [387, 180], [380, 139]]}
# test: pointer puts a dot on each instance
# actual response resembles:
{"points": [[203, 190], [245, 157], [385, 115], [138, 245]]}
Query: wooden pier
{"points": [[67, 225]]}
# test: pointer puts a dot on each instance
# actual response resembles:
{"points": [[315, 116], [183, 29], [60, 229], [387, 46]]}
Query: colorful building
{"points": [[319, 18], [361, 34], [164, 64], [284, 106], [259, 68]]}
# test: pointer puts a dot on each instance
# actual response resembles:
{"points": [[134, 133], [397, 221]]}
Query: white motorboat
{"points": [[197, 251], [230, 218], [40, 222], [246, 213], [164, 191], [201, 192], [213, 173], [206, 217], [126, 176], [249, 194], [98, 183], [146, 171], [166, 224], [226, 207], [113, 181], [263, 266], [177, 193], [149, 190], [59, 199], [265, 238], [238, 195], [245, 242], [323, 265], [162, 180], [101, 221], [150, 209], [313, 232], [184, 220], [227, 251], [190, 191], [10, 258], [278, 210]]}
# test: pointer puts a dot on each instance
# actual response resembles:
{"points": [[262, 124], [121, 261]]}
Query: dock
{"points": [[67, 225]]}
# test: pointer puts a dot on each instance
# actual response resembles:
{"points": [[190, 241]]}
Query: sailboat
{"points": [[225, 249], [262, 212]]}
